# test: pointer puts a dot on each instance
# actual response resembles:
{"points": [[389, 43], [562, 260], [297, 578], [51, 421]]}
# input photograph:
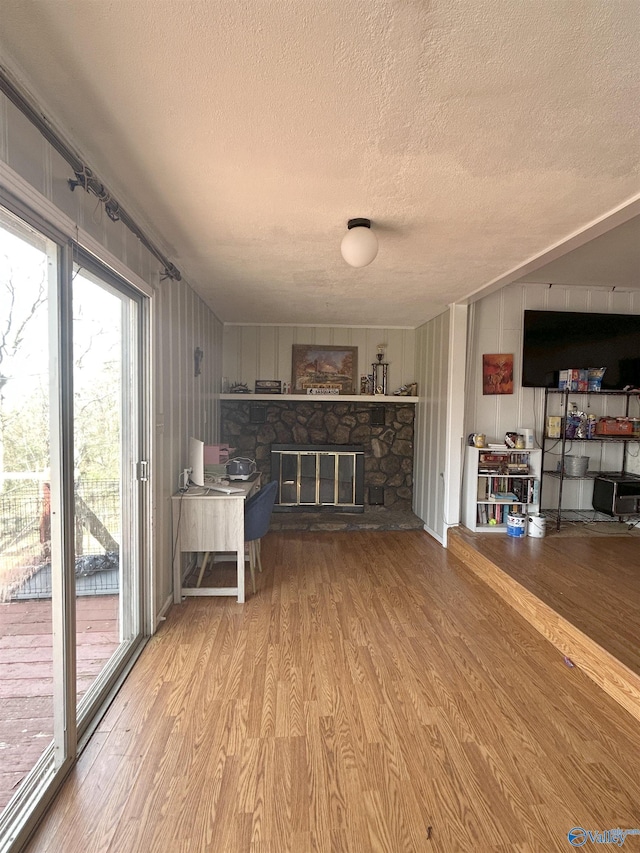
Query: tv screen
{"points": [[557, 340]]}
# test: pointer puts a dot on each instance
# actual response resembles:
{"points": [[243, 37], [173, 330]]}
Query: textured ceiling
{"points": [[611, 260], [244, 133]]}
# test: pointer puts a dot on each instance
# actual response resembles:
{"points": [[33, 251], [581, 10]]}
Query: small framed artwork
{"points": [[497, 373], [313, 365]]}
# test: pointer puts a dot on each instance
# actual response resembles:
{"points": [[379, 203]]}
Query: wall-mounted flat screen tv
{"points": [[557, 340]]}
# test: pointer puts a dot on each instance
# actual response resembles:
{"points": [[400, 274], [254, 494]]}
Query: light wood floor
{"points": [[372, 696], [592, 581]]}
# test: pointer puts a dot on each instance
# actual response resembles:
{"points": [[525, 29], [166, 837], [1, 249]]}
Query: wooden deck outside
{"points": [[26, 695], [374, 695]]}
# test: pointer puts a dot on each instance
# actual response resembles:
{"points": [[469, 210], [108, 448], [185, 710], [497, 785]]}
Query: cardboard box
{"points": [[595, 378], [574, 379], [554, 426], [217, 454]]}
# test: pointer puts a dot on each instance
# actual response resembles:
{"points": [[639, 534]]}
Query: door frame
{"points": [[43, 782]]}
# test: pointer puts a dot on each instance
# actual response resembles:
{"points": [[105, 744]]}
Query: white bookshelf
{"points": [[481, 511]]}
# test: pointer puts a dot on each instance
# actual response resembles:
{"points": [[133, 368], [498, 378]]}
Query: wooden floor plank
{"points": [[593, 581], [506, 567], [372, 696]]}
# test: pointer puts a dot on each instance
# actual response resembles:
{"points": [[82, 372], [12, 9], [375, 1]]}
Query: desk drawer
{"points": [[212, 524]]}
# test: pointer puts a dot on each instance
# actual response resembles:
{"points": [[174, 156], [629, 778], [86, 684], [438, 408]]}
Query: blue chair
{"points": [[257, 515]]}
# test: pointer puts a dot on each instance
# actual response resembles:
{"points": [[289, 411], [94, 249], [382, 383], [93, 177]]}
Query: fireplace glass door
{"points": [[323, 477]]}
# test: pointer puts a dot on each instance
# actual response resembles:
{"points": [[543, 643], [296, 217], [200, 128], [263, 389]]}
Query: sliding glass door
{"points": [[106, 390], [28, 273], [72, 496]]}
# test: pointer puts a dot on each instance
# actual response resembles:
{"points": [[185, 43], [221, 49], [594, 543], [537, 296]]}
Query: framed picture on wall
{"points": [[314, 365], [497, 373]]}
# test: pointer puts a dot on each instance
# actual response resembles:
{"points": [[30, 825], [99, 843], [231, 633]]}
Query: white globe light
{"points": [[359, 245]]}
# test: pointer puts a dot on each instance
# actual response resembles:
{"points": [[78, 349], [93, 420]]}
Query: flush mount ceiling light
{"points": [[359, 245]]}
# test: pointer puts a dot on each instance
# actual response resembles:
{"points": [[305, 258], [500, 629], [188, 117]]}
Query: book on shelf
{"points": [[527, 490], [535, 492], [496, 513], [517, 468], [487, 456], [504, 496], [508, 462]]}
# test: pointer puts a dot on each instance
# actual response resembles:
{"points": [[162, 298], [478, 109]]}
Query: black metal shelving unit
{"points": [[602, 439]]}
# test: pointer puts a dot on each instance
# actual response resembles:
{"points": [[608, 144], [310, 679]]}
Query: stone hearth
{"points": [[385, 430], [373, 518]]}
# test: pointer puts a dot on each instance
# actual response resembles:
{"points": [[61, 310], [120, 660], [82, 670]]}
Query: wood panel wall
{"points": [[182, 404], [432, 364], [496, 324], [185, 405], [264, 352]]}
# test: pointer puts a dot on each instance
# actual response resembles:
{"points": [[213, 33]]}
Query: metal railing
{"points": [[25, 539]]}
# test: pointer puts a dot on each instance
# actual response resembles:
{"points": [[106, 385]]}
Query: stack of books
{"points": [[492, 463]]}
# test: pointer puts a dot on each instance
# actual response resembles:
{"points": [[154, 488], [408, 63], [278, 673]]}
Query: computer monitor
{"points": [[196, 461]]}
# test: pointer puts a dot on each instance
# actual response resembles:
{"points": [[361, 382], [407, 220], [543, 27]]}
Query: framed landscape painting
{"points": [[316, 367]]}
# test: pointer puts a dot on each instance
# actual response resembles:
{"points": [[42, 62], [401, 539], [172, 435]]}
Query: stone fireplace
{"points": [[384, 430]]}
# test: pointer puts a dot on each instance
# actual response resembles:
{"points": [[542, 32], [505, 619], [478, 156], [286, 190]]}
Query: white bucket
{"points": [[537, 526], [516, 525]]}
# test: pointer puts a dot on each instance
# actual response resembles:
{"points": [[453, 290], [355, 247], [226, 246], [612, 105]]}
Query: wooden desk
{"points": [[209, 522]]}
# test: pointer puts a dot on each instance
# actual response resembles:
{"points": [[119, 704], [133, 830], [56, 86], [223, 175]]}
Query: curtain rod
{"points": [[84, 176]]}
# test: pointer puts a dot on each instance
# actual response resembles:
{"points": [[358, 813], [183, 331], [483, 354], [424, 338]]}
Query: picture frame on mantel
{"points": [[314, 365]]}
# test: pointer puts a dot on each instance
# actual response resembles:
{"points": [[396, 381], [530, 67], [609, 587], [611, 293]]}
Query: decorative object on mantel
{"points": [[313, 365], [408, 390], [321, 388], [365, 384], [359, 245], [268, 386], [239, 388], [379, 370]]}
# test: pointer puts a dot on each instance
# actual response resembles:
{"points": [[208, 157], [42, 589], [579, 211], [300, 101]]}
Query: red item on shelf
{"points": [[614, 426]]}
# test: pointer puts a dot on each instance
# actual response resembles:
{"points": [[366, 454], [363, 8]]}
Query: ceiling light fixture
{"points": [[359, 245]]}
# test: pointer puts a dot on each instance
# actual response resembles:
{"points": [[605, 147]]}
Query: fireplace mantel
{"points": [[330, 398]]}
